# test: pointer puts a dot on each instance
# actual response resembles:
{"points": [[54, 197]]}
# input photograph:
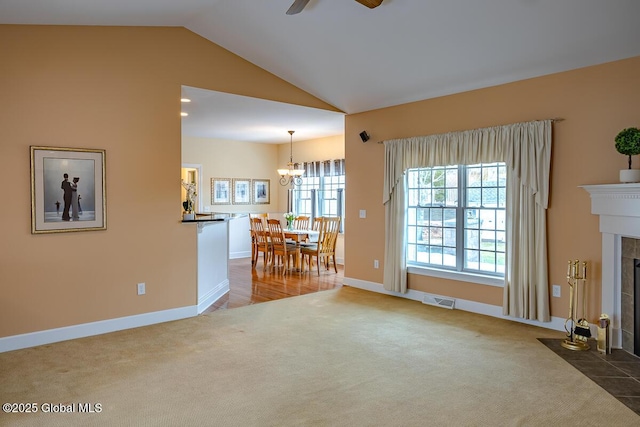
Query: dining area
{"points": [[301, 245]]}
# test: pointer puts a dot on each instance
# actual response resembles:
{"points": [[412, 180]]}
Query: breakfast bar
{"points": [[213, 256]]}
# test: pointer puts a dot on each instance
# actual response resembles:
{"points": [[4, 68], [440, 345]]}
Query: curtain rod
{"points": [[555, 119]]}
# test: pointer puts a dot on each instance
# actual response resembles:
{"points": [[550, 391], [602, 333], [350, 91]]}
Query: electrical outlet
{"points": [[141, 289], [376, 264], [556, 291]]}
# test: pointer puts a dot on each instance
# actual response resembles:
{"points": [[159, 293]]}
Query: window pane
{"points": [[452, 178], [423, 216], [472, 259], [449, 237], [411, 216], [490, 197], [449, 217], [414, 197], [473, 176], [500, 262], [423, 235], [411, 253], [472, 239], [422, 254], [502, 197], [449, 257], [474, 197], [411, 234], [471, 218], [439, 212], [435, 255], [500, 216], [487, 261]]}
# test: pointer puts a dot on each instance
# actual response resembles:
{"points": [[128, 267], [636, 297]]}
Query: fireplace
{"points": [[618, 206], [630, 299]]}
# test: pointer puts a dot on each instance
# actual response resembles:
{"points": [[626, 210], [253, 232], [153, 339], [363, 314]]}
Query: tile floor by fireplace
{"points": [[618, 372]]}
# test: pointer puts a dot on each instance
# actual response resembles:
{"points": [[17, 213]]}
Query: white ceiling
{"points": [[241, 118], [359, 59]]}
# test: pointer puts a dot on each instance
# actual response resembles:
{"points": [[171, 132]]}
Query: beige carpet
{"points": [[342, 357]]}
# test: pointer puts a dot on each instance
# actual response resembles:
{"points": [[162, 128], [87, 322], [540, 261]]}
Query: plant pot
{"points": [[630, 175], [188, 216]]}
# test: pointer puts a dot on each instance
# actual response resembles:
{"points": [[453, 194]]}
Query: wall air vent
{"points": [[439, 301]]}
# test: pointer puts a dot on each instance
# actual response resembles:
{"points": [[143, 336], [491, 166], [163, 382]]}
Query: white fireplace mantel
{"points": [[618, 206]]}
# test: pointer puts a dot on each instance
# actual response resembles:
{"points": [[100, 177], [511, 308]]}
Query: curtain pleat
{"points": [[323, 168], [526, 150]]}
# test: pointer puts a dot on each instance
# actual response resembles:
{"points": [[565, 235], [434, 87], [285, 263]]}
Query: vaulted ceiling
{"points": [[360, 59]]}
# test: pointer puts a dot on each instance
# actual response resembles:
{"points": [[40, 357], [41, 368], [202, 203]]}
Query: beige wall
{"points": [[233, 159], [115, 88], [596, 103]]}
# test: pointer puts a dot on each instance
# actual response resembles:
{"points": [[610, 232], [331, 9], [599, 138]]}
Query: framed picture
{"points": [[241, 191], [261, 192], [67, 190], [220, 191]]}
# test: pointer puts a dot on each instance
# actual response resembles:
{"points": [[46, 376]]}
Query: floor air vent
{"points": [[439, 301]]}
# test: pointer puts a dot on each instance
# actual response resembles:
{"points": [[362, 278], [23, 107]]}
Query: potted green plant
{"points": [[628, 143]]}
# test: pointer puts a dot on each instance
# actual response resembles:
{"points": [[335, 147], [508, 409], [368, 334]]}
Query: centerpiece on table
{"points": [[289, 216], [190, 202], [628, 143]]}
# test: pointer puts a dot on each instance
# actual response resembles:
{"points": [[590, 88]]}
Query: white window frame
{"points": [[318, 189], [461, 204]]}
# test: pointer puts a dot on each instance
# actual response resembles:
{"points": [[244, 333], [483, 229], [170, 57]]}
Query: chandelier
{"points": [[290, 175]]}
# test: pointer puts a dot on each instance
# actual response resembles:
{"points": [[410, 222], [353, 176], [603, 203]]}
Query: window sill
{"points": [[456, 275]]}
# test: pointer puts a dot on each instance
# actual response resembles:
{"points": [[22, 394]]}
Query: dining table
{"points": [[300, 236]]}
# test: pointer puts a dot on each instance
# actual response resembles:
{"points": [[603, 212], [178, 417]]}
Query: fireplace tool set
{"points": [[578, 331]]}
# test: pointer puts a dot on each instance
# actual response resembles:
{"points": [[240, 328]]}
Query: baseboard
{"points": [[214, 295], [240, 254], [556, 323], [49, 336]]}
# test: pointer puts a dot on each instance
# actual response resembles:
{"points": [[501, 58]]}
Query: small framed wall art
{"points": [[220, 191], [241, 191], [67, 189], [261, 192]]}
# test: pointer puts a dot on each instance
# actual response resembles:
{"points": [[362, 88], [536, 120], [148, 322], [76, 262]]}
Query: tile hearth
{"points": [[618, 373]]}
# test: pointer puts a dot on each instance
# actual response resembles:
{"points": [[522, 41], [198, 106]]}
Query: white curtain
{"points": [[526, 150]]}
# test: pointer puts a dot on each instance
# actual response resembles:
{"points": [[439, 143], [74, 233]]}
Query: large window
{"points": [[322, 190], [456, 218]]}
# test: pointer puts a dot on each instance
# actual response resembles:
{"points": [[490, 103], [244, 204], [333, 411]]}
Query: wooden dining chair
{"points": [[317, 223], [281, 249], [261, 242], [301, 222], [325, 249], [254, 244]]}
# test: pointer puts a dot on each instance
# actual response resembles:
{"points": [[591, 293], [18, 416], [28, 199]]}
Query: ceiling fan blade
{"points": [[297, 7], [370, 3]]}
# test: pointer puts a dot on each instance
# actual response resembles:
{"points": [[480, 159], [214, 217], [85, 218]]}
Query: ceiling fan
{"points": [[298, 5]]}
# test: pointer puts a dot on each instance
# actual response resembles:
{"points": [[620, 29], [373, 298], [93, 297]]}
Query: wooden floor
{"points": [[252, 286]]}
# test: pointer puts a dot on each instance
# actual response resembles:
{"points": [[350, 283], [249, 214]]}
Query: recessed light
{"points": [[185, 100], [183, 114]]}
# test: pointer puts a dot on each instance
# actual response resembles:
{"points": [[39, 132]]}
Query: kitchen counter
{"points": [[213, 216]]}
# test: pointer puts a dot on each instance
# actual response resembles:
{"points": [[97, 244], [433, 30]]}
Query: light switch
{"points": [[363, 213]]}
